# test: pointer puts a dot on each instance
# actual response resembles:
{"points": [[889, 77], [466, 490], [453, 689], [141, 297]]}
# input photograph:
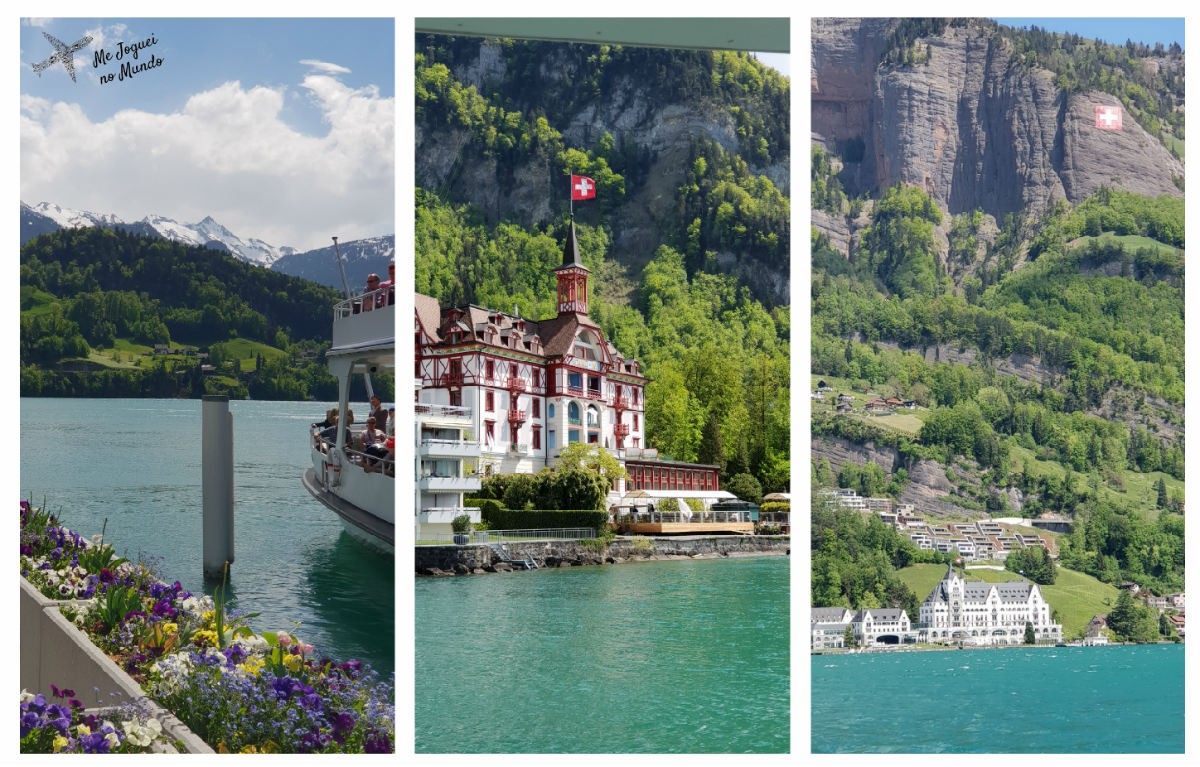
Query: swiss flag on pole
{"points": [[582, 188]]}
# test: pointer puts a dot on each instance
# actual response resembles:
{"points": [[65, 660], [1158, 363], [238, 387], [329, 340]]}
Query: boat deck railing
{"points": [[367, 462], [365, 302]]}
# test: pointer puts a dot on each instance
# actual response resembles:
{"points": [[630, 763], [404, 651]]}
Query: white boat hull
{"points": [[363, 525]]}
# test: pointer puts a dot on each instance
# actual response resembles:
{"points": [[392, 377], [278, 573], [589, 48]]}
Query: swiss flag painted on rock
{"points": [[1108, 118], [582, 188]]}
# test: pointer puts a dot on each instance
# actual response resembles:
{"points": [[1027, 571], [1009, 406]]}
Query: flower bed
{"points": [[240, 691], [55, 728]]}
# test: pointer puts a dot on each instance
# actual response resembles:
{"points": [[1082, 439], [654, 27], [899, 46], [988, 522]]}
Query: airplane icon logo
{"points": [[63, 53]]}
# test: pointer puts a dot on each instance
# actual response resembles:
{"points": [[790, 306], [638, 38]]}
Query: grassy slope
{"points": [[1131, 242], [1139, 488], [244, 351], [1077, 597], [907, 422]]}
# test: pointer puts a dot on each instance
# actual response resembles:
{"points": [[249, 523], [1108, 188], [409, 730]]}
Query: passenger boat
{"points": [[360, 489]]}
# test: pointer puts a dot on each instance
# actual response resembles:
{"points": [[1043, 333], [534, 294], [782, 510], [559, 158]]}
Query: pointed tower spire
{"points": [[572, 277], [571, 248]]}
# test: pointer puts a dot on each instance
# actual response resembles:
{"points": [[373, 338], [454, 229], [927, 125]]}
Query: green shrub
{"points": [[484, 505], [519, 519]]}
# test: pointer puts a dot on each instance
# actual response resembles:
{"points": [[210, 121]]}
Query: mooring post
{"points": [[217, 458]]}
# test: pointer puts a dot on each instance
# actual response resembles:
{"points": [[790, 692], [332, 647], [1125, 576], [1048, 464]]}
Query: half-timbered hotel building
{"points": [[532, 387]]}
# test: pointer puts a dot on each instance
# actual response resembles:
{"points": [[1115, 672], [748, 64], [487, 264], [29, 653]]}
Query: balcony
{"points": [[449, 379], [517, 385], [449, 484], [516, 416], [621, 430], [444, 515], [455, 413], [449, 448], [619, 403]]}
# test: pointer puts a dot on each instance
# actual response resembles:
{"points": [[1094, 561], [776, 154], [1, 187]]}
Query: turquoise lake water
{"points": [[685, 656], [136, 463], [1061, 700]]}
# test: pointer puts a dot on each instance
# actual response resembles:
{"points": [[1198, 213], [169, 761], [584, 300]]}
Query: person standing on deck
{"points": [[372, 297], [379, 413]]}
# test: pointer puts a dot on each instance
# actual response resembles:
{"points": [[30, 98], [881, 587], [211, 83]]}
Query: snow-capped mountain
{"points": [[69, 218], [46, 217], [361, 257]]}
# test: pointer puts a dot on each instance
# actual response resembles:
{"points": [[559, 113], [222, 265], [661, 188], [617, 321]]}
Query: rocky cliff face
{"points": [[973, 126], [532, 190]]}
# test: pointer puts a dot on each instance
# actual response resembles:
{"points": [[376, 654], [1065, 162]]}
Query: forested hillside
{"points": [[95, 303], [688, 239], [1041, 352]]}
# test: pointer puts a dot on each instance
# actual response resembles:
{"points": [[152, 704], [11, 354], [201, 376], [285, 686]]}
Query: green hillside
{"points": [[95, 303]]}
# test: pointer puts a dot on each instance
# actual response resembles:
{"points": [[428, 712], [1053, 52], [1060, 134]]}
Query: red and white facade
{"points": [[531, 387]]}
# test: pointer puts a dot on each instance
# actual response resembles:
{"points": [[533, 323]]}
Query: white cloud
{"points": [[227, 154], [103, 35], [325, 66]]}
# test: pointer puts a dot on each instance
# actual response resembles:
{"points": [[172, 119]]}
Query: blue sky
{"points": [[1111, 30], [280, 129]]}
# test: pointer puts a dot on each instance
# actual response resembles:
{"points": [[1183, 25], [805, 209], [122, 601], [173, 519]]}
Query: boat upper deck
{"points": [[365, 323]]}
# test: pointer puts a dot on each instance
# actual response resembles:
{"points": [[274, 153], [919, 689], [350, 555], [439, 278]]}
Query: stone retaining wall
{"points": [[481, 558], [54, 651]]}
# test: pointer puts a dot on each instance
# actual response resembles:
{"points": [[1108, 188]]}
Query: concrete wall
{"points": [[444, 560], [54, 651]]}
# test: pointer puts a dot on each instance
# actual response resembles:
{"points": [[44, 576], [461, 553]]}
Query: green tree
{"points": [[1161, 489], [575, 489], [1030, 637], [523, 491], [745, 487], [580, 456], [850, 640]]}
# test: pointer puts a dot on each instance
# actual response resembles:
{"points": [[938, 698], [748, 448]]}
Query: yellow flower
{"points": [[292, 662], [60, 743], [248, 750], [251, 666], [170, 628], [83, 729], [205, 637]]}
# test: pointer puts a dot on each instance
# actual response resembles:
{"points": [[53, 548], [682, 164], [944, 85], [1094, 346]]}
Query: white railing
{"points": [[683, 516], [445, 411], [434, 515], [454, 448], [366, 302], [450, 484], [369, 463]]}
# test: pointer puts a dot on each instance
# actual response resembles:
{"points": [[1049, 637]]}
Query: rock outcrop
{"points": [[974, 126]]}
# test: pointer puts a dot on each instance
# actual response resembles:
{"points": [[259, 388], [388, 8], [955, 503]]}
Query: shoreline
{"points": [[950, 648], [481, 558]]}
